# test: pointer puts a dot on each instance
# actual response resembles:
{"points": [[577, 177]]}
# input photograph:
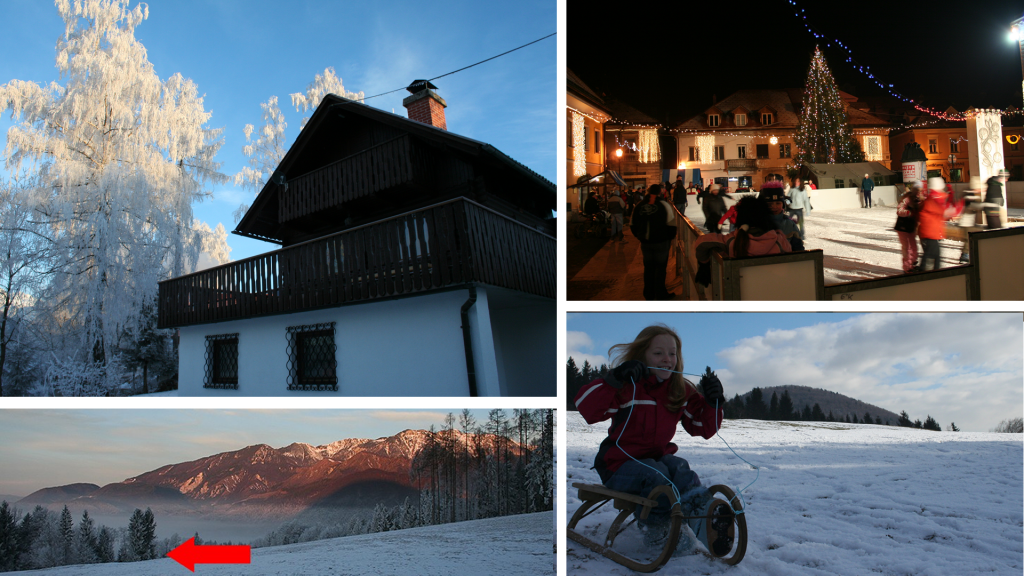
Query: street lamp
{"points": [[618, 155], [1017, 35], [952, 160]]}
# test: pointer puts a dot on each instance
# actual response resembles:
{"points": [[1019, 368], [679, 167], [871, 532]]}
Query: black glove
{"points": [[712, 388], [629, 371]]}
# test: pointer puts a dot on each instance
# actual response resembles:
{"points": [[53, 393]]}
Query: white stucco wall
{"points": [[525, 336], [404, 347], [842, 198]]}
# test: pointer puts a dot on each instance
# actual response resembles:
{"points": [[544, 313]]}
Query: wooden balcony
{"points": [[447, 244]]}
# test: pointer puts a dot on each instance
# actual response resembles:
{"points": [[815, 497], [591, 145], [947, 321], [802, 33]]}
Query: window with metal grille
{"points": [[840, 183], [312, 363], [222, 361]]}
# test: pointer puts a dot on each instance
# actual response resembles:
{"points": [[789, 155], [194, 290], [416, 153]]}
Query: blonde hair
{"points": [[679, 388]]}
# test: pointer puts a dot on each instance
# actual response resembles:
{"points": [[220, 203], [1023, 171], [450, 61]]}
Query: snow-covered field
{"points": [[510, 546], [841, 499]]}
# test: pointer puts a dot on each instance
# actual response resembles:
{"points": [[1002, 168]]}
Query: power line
{"points": [[466, 67]]}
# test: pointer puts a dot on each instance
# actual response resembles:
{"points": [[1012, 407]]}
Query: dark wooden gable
{"points": [[354, 164]]}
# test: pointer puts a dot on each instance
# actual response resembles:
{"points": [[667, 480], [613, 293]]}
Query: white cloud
{"points": [[579, 346], [964, 367]]}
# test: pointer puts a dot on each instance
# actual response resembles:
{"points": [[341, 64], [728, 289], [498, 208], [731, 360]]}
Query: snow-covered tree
{"points": [[322, 85], [85, 541], [120, 156], [22, 264], [265, 152], [67, 536]]}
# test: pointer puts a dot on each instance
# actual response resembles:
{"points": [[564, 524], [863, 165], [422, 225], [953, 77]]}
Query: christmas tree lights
{"points": [[824, 134]]}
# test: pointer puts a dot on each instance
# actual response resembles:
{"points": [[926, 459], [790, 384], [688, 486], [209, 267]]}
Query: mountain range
{"points": [[262, 481]]}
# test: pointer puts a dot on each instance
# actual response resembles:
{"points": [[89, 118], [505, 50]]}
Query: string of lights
{"points": [[800, 13]]}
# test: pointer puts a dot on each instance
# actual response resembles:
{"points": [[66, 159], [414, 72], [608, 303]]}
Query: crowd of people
{"points": [[773, 221]]}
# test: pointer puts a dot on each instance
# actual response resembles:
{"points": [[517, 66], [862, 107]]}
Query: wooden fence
{"points": [[447, 244]]}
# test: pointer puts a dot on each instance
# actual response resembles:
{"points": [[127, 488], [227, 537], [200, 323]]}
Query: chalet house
{"points": [[413, 262], [749, 136]]}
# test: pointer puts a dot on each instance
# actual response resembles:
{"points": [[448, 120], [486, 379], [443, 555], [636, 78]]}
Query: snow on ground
{"points": [[858, 243], [838, 498], [510, 546]]}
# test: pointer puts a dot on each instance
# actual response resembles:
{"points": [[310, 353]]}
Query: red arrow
{"points": [[188, 554]]}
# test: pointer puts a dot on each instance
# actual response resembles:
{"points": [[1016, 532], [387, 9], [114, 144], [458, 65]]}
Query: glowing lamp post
{"points": [[1017, 35]]}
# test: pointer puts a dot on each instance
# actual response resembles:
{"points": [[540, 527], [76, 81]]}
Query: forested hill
{"points": [[839, 405]]}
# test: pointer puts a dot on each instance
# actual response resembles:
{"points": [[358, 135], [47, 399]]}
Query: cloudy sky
{"points": [[966, 368], [44, 448], [242, 52]]}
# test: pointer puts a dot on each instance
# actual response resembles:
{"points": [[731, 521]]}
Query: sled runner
{"points": [[720, 519]]}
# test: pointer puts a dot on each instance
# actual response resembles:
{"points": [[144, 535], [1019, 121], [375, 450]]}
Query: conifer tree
{"points": [[824, 135], [8, 538], [67, 536], [773, 407], [905, 420], [785, 406]]}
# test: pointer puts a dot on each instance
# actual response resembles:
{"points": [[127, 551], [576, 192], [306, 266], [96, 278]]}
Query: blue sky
{"points": [[966, 368], [55, 447], [240, 53]]}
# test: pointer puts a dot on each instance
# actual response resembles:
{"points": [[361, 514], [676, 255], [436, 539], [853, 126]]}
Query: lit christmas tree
{"points": [[824, 135]]}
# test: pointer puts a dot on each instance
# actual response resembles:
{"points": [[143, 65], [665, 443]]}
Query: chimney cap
{"points": [[419, 86]]}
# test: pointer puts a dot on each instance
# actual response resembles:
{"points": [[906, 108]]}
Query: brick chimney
{"points": [[425, 105]]}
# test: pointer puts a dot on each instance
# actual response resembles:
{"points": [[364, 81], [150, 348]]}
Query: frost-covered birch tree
{"points": [[266, 151], [120, 156]]}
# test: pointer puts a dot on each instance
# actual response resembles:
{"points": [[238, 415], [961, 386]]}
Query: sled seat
{"points": [[621, 500]]}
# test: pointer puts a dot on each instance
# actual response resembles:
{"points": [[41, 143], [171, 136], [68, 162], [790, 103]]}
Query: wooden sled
{"points": [[595, 495]]}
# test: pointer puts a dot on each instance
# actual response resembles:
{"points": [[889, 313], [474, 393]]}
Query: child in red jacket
{"points": [[646, 396]]}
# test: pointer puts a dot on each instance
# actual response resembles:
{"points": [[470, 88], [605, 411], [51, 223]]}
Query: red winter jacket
{"points": [[651, 424]]}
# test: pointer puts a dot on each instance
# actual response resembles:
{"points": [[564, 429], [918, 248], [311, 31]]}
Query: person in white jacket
{"points": [[800, 203]]}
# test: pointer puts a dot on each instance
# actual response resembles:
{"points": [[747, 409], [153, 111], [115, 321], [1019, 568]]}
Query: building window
{"points": [[956, 175], [312, 362], [933, 145], [784, 151], [954, 147], [597, 141], [694, 154], [741, 119], [741, 151], [568, 133], [935, 173], [762, 150], [713, 120], [767, 118], [872, 148], [1015, 146], [222, 361], [840, 183], [586, 141], [719, 152]]}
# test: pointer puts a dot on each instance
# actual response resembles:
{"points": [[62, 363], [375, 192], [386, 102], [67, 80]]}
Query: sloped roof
{"points": [[575, 84], [262, 213], [755, 99]]}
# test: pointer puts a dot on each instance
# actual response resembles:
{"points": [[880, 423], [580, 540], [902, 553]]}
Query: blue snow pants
{"points": [[634, 478]]}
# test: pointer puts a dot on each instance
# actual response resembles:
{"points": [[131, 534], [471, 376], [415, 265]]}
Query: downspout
{"points": [[468, 341]]}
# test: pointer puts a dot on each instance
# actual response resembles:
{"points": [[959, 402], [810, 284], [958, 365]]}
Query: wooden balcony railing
{"points": [[447, 244]]}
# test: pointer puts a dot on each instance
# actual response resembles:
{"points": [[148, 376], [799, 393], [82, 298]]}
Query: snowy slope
{"points": [[842, 499], [511, 546]]}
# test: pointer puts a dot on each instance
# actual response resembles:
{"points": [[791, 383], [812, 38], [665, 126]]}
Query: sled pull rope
{"points": [[675, 491]]}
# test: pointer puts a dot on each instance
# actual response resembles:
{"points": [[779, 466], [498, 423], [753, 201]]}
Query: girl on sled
{"points": [[646, 396]]}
